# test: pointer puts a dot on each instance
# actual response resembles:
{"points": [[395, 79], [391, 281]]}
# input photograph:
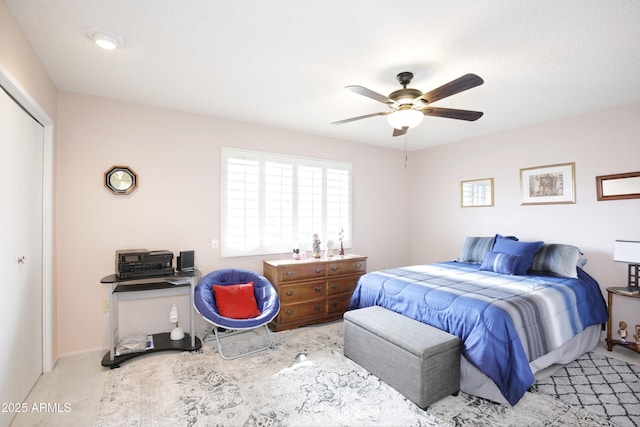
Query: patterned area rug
{"points": [[303, 380], [602, 385]]}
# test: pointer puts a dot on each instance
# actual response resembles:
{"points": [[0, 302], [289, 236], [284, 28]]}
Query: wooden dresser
{"points": [[315, 290]]}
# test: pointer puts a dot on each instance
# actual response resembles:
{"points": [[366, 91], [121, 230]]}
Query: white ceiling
{"points": [[284, 63]]}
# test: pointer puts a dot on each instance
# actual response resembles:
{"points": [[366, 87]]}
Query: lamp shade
{"points": [[627, 251], [405, 118]]}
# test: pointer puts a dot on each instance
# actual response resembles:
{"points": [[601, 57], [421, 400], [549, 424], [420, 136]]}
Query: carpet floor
{"points": [[604, 386], [303, 380]]}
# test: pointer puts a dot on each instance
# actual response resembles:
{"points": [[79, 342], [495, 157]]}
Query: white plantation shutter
{"points": [[241, 206], [278, 206], [271, 202], [338, 198], [310, 203]]}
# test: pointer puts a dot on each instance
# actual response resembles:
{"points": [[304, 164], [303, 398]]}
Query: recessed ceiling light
{"points": [[105, 39]]}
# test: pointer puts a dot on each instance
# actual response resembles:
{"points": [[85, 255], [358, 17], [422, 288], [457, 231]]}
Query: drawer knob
{"points": [[318, 307], [334, 304], [289, 293], [334, 286], [288, 273], [290, 312], [334, 268], [317, 289], [318, 270], [358, 266]]}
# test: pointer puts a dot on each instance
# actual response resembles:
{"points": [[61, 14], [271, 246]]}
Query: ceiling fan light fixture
{"points": [[405, 118], [405, 96], [105, 39]]}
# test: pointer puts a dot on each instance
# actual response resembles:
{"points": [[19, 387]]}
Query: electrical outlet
{"points": [[215, 244], [105, 305]]}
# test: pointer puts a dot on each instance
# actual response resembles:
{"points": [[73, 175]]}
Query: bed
{"points": [[518, 307]]}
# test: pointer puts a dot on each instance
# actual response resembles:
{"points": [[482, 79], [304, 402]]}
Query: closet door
{"points": [[21, 216]]}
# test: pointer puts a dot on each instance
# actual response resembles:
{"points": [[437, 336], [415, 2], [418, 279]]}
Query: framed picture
{"points": [[549, 184], [476, 193], [618, 186]]}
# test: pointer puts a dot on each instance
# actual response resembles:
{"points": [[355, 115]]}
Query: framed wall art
{"points": [[476, 193], [618, 186], [550, 184]]}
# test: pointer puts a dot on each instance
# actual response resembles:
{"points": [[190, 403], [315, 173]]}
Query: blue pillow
{"points": [[527, 250], [500, 263]]}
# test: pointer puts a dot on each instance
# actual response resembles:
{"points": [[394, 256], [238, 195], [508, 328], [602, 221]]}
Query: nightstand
{"points": [[630, 344]]}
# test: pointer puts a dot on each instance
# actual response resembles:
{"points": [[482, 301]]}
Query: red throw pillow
{"points": [[236, 301]]}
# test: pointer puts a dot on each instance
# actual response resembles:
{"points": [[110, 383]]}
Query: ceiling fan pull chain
{"points": [[406, 156]]}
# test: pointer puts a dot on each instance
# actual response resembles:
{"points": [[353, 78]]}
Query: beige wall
{"points": [[177, 205], [601, 143], [19, 59]]}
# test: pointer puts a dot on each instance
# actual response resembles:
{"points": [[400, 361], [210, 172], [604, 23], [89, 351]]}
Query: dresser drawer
{"points": [[339, 304], [295, 312], [339, 268], [291, 273], [301, 291], [341, 285]]}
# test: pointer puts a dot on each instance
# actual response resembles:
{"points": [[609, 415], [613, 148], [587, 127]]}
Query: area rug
{"points": [[604, 386], [303, 380]]}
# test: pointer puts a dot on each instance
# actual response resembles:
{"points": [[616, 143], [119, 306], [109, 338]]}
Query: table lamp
{"points": [[176, 333], [628, 251]]}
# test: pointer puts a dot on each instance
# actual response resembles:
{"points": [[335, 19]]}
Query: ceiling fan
{"points": [[407, 107]]}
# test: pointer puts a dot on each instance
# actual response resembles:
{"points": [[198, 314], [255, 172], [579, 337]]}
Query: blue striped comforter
{"points": [[504, 322]]}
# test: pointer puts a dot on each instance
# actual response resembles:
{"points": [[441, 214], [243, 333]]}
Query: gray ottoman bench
{"points": [[418, 360]]}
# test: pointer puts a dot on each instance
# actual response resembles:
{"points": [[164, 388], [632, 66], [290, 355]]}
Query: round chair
{"points": [[204, 301]]}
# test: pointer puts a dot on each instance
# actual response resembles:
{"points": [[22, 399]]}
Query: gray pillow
{"points": [[557, 259], [475, 249]]}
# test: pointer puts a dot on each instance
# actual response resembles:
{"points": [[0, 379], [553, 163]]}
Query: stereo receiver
{"points": [[143, 263]]}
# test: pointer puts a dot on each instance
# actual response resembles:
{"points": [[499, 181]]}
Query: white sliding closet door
{"points": [[21, 256]]}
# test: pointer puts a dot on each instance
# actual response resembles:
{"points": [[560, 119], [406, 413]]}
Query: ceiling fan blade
{"points": [[458, 85], [361, 90], [450, 113], [398, 132], [366, 116]]}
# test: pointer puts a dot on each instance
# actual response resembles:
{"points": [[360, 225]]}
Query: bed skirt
{"points": [[473, 381]]}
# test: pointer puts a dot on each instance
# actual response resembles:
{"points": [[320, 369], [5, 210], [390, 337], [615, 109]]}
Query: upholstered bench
{"points": [[418, 360]]}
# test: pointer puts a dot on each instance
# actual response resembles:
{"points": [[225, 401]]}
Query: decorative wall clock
{"points": [[120, 179]]}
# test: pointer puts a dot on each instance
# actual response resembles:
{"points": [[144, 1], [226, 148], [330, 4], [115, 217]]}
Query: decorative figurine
{"points": [[623, 332], [316, 246], [329, 251], [341, 235], [637, 336]]}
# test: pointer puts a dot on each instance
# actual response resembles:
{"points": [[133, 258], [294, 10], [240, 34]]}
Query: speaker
{"points": [[185, 261]]}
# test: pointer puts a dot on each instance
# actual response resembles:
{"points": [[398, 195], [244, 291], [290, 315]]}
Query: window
{"points": [[271, 202]]}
